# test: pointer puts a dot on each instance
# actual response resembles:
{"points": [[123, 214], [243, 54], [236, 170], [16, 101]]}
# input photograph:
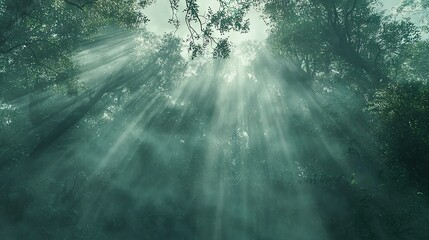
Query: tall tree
{"points": [[39, 39], [341, 35]]}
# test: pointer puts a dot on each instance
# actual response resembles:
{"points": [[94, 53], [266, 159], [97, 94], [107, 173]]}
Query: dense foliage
{"points": [[108, 131]]}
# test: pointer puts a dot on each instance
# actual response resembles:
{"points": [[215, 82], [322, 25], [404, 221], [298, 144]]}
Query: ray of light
{"points": [[228, 151]]}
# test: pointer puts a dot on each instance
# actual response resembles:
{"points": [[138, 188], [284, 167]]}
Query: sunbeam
{"points": [[316, 133]]}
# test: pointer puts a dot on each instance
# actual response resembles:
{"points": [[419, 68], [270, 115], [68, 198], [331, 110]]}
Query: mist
{"points": [[158, 147]]}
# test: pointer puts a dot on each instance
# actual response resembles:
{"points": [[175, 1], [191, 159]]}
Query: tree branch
{"points": [[76, 5]]}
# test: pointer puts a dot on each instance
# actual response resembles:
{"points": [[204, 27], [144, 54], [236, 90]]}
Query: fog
{"points": [[154, 146]]}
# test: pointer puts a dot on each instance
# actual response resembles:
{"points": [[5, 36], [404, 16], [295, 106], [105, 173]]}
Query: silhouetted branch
{"points": [[76, 5]]}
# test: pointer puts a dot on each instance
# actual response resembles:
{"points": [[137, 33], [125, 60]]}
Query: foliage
{"points": [[414, 67], [340, 35], [416, 9], [403, 113], [230, 16], [108, 133], [38, 52]]}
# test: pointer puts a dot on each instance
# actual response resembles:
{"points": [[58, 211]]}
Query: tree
{"points": [[403, 113], [400, 115], [40, 38], [341, 35]]}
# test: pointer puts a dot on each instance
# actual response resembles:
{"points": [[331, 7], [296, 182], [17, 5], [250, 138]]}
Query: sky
{"points": [[389, 4]]}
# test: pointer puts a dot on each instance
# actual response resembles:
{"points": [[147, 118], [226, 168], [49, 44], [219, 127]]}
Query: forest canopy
{"points": [[111, 131]]}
